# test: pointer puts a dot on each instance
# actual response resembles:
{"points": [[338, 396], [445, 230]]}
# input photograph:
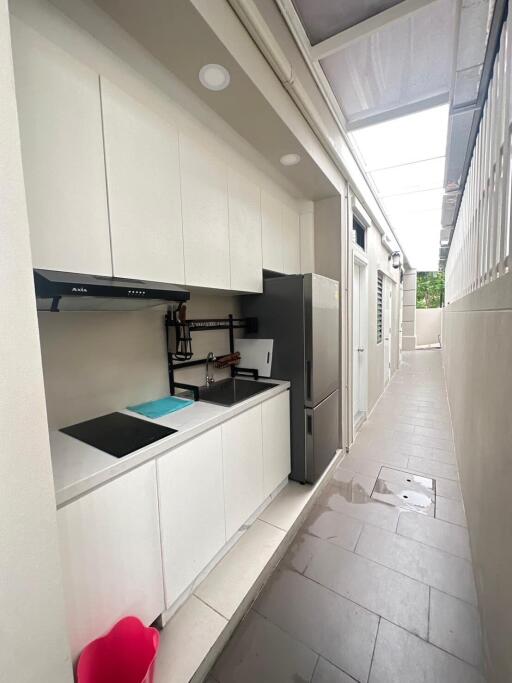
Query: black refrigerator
{"points": [[301, 314]]}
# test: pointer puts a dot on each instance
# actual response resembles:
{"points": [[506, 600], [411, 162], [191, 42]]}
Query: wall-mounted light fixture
{"points": [[396, 259]]}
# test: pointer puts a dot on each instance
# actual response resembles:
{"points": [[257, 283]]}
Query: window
{"points": [[379, 307], [359, 233]]}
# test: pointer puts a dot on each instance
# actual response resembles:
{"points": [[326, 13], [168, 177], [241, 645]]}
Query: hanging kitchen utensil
{"points": [[182, 350]]}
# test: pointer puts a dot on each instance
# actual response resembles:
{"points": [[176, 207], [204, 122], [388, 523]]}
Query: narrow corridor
{"points": [[378, 585]]}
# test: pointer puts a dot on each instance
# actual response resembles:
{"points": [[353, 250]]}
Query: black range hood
{"points": [[60, 291]]}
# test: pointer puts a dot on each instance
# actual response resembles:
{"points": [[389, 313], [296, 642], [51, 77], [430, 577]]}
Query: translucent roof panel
{"points": [[324, 18], [405, 159], [403, 63], [412, 177], [408, 138]]}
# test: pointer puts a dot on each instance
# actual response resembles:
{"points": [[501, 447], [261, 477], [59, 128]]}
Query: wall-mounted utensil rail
{"points": [[175, 321]]}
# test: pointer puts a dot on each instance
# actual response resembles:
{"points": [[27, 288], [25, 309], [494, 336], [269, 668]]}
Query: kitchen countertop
{"points": [[79, 468]]}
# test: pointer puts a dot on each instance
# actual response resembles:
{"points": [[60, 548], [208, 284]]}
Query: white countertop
{"points": [[79, 468]]}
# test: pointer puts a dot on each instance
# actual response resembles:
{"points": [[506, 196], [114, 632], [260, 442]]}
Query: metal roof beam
{"points": [[364, 28]]}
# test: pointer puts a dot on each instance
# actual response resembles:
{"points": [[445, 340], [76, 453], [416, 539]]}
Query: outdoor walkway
{"points": [[378, 585]]}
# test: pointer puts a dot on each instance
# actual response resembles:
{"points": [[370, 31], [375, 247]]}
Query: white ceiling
{"points": [[405, 159]]}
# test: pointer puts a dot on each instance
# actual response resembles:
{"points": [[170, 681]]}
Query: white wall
{"points": [[428, 325], [477, 354], [95, 363], [33, 641]]}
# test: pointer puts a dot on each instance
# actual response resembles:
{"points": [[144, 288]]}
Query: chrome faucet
{"points": [[210, 358]]}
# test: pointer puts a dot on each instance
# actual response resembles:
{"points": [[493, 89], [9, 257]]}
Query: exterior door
{"points": [[386, 328], [359, 343]]}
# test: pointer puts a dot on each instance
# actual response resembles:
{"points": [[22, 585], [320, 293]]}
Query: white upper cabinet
{"points": [[242, 453], [111, 556], [291, 241], [276, 441], [204, 190], [307, 243], [191, 494], [62, 147], [244, 233], [280, 230], [272, 232], [143, 175]]}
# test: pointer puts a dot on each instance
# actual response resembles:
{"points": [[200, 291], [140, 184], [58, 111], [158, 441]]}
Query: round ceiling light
{"points": [[214, 76], [290, 159]]}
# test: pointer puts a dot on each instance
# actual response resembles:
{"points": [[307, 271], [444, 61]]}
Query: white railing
{"points": [[480, 248]]}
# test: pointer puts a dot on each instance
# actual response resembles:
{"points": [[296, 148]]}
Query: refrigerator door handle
{"points": [[308, 380]]}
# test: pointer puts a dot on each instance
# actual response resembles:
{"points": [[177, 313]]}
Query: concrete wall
{"points": [[409, 311], [33, 641], [477, 352], [428, 325]]}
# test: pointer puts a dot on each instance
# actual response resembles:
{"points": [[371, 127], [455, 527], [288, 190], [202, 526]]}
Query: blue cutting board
{"points": [[161, 407]]}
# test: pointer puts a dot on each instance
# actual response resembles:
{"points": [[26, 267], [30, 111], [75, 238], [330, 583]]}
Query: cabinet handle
{"points": [[310, 424]]}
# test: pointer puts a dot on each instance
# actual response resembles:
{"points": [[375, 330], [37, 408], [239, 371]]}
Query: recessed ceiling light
{"points": [[214, 76], [289, 159]]}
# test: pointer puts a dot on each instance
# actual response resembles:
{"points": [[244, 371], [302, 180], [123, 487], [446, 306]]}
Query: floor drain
{"points": [[405, 496], [409, 480]]}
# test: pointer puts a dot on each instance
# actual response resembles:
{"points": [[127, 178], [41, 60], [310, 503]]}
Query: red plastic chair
{"points": [[126, 654]]}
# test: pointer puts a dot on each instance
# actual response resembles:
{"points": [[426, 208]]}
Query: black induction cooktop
{"points": [[117, 434]]}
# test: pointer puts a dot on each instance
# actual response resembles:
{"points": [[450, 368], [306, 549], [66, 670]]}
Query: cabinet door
{"points": [[143, 174], [276, 441], [272, 233], [291, 241], [205, 215], [62, 148], [191, 495], [243, 468], [307, 243], [111, 559], [244, 234]]}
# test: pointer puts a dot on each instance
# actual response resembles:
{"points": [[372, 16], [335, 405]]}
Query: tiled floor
{"points": [[371, 590]]}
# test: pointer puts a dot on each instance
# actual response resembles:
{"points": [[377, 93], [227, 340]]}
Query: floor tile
{"points": [[435, 532], [333, 527], [401, 657], [455, 627], [358, 504], [450, 511], [326, 672], [441, 570], [446, 488], [260, 651], [433, 468], [394, 596], [443, 433], [332, 626], [186, 640], [379, 454], [229, 582], [356, 464], [345, 475]]}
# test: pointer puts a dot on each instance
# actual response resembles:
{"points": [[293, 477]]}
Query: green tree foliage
{"points": [[430, 290]]}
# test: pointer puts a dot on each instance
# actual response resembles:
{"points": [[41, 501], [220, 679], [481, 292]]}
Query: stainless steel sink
{"points": [[228, 392]]}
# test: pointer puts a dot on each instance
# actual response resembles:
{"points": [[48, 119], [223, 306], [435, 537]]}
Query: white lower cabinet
{"points": [[276, 441], [111, 556], [242, 451], [191, 498]]}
